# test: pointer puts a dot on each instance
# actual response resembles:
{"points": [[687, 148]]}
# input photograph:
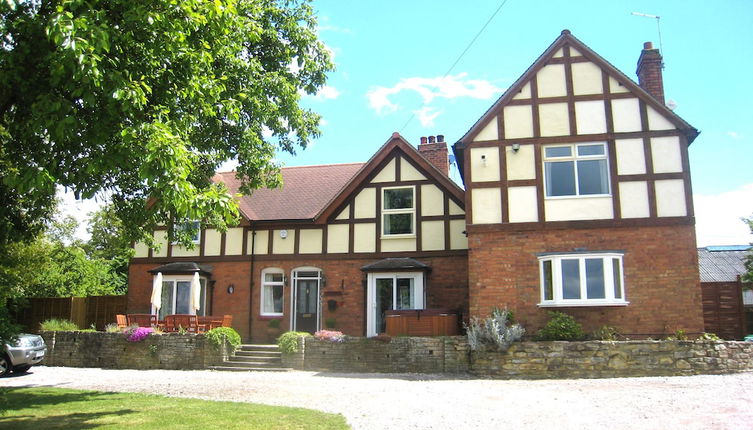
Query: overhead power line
{"points": [[462, 54]]}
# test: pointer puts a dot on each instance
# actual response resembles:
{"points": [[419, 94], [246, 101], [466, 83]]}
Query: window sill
{"points": [[270, 316], [398, 236], [582, 196], [581, 304]]}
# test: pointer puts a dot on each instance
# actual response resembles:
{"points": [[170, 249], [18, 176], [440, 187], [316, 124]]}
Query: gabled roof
{"points": [[312, 193], [722, 264], [566, 38], [396, 144], [305, 192]]}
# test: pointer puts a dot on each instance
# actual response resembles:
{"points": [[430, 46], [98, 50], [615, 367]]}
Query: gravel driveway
{"points": [[390, 401]]}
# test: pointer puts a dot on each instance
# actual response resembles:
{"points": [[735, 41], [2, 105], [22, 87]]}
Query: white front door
{"points": [[388, 291]]}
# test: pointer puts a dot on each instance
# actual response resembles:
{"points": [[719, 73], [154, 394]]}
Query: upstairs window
{"points": [[589, 279], [398, 211], [576, 170], [189, 225]]}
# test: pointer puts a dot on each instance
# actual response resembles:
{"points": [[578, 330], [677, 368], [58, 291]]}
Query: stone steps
{"points": [[253, 357]]}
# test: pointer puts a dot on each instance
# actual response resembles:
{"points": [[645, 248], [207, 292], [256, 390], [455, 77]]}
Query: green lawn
{"points": [[57, 408]]}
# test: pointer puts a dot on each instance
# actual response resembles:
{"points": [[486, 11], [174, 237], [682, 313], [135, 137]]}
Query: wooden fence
{"points": [[83, 311], [723, 309]]}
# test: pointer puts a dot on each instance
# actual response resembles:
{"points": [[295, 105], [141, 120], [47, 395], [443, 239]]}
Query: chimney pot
{"points": [[435, 152], [648, 45]]}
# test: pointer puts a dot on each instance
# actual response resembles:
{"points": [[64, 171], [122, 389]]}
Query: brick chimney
{"points": [[434, 149], [650, 71]]}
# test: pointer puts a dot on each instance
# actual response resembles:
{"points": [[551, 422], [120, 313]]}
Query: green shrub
{"points": [[709, 336], [218, 335], [561, 327], [606, 332], [288, 341], [59, 325], [678, 335], [112, 328], [496, 331]]}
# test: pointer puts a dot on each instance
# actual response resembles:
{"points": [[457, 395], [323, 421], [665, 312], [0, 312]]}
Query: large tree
{"points": [[143, 100]]}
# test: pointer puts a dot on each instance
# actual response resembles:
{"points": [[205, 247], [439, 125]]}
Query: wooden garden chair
{"points": [[121, 321], [189, 323], [142, 320], [227, 321]]}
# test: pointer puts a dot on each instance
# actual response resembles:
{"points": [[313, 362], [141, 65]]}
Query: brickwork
{"points": [[446, 287], [650, 72], [524, 360], [660, 277], [113, 351], [436, 154]]}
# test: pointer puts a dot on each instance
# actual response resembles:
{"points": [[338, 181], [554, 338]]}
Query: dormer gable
{"points": [[396, 162], [563, 93]]}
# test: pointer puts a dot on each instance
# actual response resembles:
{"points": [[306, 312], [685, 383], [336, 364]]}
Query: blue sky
{"points": [[393, 58]]}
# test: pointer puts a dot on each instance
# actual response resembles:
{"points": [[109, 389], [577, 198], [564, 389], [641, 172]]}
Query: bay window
{"points": [[582, 279], [176, 296]]}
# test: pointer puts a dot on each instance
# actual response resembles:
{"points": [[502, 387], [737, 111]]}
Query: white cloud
{"points": [[718, 217], [426, 115], [734, 134], [448, 87], [327, 93]]}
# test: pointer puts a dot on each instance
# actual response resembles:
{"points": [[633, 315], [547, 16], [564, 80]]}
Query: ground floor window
{"points": [[582, 279], [272, 291], [176, 296]]}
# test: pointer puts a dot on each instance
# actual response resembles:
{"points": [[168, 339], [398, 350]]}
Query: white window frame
{"points": [[420, 297], [197, 238], [557, 300], [411, 211], [574, 157], [264, 284], [174, 279]]}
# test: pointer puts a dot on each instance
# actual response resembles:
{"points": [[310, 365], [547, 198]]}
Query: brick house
{"points": [[576, 180]]}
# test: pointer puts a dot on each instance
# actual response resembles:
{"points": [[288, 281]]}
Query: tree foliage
{"points": [[144, 100]]}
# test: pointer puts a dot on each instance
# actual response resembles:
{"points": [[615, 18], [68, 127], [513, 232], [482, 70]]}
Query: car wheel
{"points": [[22, 368], [4, 365]]}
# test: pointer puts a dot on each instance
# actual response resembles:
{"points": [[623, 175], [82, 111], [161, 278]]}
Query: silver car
{"points": [[27, 351]]}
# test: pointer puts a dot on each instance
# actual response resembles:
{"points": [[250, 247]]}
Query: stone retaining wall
{"points": [[399, 355], [600, 359], [113, 351], [524, 360]]}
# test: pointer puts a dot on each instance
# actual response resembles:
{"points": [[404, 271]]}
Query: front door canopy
{"points": [[183, 268], [397, 265]]}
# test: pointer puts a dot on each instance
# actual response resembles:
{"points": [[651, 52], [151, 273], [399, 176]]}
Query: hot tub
{"points": [[422, 322]]}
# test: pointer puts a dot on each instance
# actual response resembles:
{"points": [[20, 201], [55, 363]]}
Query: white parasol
{"points": [[195, 293], [157, 292]]}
